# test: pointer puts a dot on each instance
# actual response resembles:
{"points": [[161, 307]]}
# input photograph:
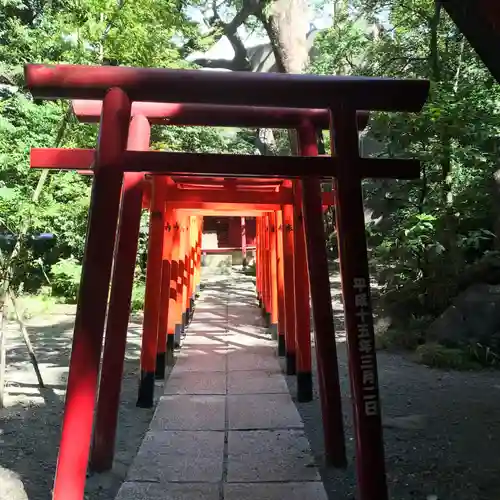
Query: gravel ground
{"points": [[441, 429], [30, 425]]}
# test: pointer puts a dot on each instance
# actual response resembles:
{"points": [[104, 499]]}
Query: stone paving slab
{"points": [[204, 341], [201, 361], [275, 491], [262, 411], [155, 491], [226, 427], [193, 413], [256, 382], [194, 382], [248, 361], [243, 341], [208, 327], [270, 456], [179, 456]]}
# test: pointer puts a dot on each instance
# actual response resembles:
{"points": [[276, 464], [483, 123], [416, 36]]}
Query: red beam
{"points": [[221, 180], [63, 159], [226, 87], [262, 166], [223, 213], [156, 162], [217, 188], [235, 182], [225, 249], [328, 198], [186, 196], [218, 116], [234, 206]]}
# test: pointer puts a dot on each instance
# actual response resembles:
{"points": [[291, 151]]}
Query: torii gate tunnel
{"points": [[284, 193]]}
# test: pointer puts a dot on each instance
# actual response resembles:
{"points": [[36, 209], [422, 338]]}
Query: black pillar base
{"points": [[267, 319], [291, 367], [169, 359], [192, 301], [281, 345], [304, 387], [273, 329], [145, 398], [160, 365], [177, 336]]}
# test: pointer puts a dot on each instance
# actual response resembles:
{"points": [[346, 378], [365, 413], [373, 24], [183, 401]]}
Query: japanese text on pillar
{"points": [[365, 347]]}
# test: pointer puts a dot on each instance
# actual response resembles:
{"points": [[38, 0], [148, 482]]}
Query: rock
{"points": [[474, 316], [408, 422], [12, 485], [484, 270]]}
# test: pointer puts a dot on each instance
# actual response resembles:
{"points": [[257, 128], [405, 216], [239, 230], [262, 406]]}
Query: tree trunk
{"points": [[287, 24]]}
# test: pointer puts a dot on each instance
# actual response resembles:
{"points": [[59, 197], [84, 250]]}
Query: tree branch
{"points": [[240, 61], [230, 30], [231, 64]]}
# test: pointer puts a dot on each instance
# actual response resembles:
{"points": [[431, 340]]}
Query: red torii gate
{"points": [[342, 97], [202, 193]]}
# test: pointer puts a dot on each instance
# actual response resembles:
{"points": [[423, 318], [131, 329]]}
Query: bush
{"points": [[66, 279], [137, 302], [437, 356], [409, 336]]}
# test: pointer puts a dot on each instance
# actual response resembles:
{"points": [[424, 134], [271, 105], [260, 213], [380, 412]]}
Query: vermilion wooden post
{"points": [[273, 235], [115, 342], [187, 260], [185, 282], [280, 268], [181, 259], [302, 310], [173, 316], [266, 262], [190, 273], [244, 241], [192, 263], [273, 257], [164, 355], [258, 265], [152, 299], [92, 300], [269, 289], [263, 263], [288, 251], [326, 347], [198, 255], [358, 310]]}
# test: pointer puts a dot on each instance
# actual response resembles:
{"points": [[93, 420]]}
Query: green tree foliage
{"points": [[423, 233], [139, 33]]}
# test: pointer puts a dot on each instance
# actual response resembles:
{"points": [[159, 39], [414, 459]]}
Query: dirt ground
{"points": [[30, 425], [442, 429]]}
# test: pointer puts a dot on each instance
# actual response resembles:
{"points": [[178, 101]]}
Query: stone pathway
{"points": [[226, 427]]}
